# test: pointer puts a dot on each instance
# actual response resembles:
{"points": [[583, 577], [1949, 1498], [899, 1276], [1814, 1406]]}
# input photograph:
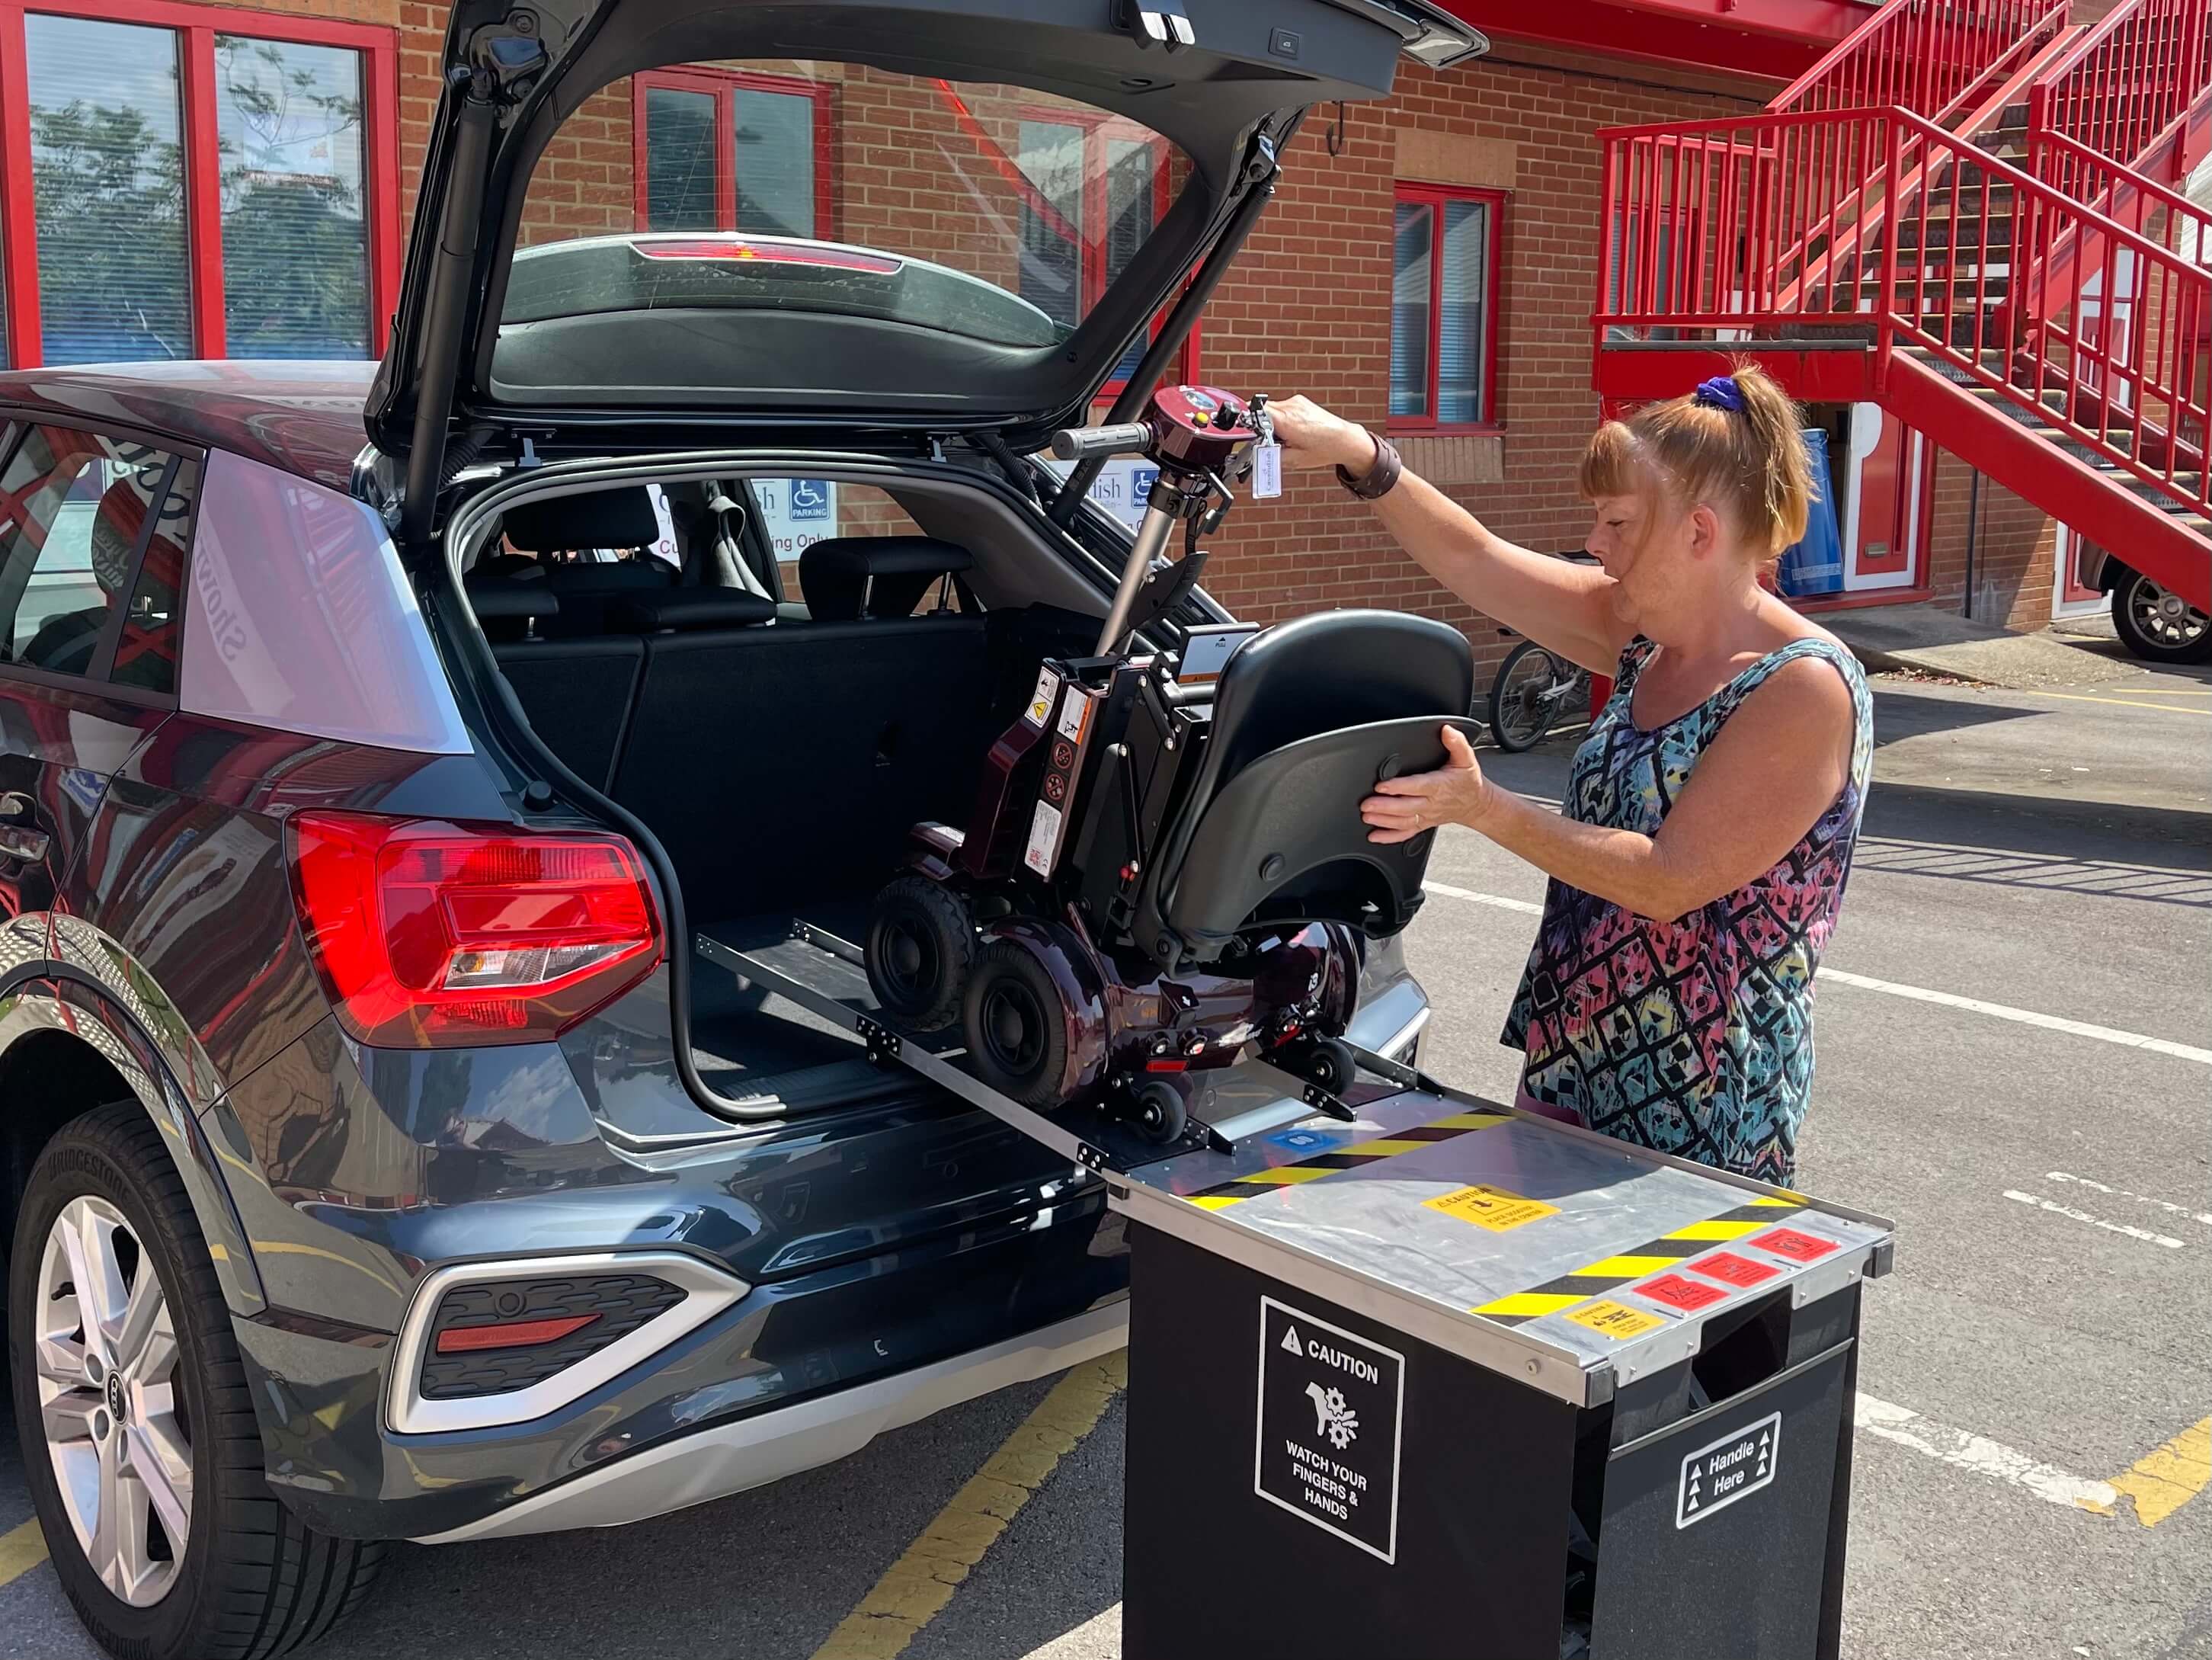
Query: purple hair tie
{"points": [[1721, 393]]}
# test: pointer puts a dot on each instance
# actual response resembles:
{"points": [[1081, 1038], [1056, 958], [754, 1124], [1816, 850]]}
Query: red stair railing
{"points": [[1716, 226], [2124, 88], [1927, 56], [2120, 193]]}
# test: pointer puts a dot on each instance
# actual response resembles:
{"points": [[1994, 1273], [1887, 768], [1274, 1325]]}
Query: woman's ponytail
{"points": [[1734, 443]]}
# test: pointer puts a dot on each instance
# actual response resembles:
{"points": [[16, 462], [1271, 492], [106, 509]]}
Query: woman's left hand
{"points": [[1455, 794]]}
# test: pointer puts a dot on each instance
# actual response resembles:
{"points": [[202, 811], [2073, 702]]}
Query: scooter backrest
{"points": [[1334, 668], [1308, 716]]}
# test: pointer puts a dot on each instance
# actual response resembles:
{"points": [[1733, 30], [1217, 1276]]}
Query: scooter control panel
{"points": [[1200, 428]]}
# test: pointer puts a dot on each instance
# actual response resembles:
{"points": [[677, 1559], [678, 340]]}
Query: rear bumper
{"points": [[750, 1452]]}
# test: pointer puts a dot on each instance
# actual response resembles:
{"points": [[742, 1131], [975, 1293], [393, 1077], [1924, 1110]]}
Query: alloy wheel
{"points": [[107, 1360], [2163, 616]]}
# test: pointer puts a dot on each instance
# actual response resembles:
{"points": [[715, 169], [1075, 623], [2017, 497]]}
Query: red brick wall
{"points": [[2013, 545], [1308, 310]]}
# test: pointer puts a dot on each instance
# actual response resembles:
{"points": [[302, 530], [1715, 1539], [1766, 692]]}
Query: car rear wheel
{"points": [[140, 1446], [2157, 625]]}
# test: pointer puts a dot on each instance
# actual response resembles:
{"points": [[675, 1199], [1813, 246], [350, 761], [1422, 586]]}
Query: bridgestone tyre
{"points": [[250, 1580], [921, 944], [1014, 1027], [2158, 626]]}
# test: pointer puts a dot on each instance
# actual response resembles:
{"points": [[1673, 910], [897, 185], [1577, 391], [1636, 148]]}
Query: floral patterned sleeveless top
{"points": [[1694, 1037]]}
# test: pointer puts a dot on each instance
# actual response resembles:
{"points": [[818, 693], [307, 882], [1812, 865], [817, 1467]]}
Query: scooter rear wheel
{"points": [[921, 943], [1015, 1027]]}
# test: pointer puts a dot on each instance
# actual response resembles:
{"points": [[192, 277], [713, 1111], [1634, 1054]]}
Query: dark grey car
{"points": [[381, 1162]]}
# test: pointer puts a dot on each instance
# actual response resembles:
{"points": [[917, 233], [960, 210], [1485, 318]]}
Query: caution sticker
{"points": [[1727, 1266], [1797, 1247], [1048, 688], [1074, 713], [1616, 1320], [1492, 1207], [1676, 1293]]}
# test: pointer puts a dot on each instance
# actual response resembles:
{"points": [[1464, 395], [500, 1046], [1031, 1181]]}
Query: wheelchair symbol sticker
{"points": [[810, 499]]}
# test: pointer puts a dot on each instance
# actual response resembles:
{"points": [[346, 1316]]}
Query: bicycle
{"points": [[1532, 684]]}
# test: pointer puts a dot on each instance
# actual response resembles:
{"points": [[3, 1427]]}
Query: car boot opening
{"points": [[779, 676]]}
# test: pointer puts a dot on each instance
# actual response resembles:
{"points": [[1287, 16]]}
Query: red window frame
{"points": [[722, 84], [1433, 197], [198, 25], [1100, 126]]}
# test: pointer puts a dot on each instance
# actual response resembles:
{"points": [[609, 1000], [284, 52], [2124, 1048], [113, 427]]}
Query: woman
{"points": [[1700, 859]]}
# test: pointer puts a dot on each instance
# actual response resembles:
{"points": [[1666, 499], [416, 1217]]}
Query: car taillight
{"points": [[429, 933]]}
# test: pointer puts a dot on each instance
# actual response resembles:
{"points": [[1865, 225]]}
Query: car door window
{"points": [[146, 648], [76, 511]]}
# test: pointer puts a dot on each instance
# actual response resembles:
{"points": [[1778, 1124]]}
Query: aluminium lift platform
{"points": [[1448, 1379]]}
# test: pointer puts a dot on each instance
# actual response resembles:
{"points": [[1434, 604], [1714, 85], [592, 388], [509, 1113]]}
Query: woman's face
{"points": [[1651, 549]]}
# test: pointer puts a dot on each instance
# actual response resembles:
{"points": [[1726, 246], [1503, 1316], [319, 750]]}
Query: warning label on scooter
{"points": [[1735, 1467], [1330, 1406]]}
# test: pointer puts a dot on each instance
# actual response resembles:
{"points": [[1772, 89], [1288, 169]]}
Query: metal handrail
{"points": [[2118, 192], [1926, 56], [2121, 89], [1715, 225]]}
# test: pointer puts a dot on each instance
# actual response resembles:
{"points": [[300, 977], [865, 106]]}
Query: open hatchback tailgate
{"points": [[1220, 81]]}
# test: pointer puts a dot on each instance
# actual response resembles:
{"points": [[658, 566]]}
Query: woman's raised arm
{"points": [[1562, 605]]}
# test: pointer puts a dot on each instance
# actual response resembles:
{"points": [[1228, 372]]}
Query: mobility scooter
{"points": [[1166, 869]]}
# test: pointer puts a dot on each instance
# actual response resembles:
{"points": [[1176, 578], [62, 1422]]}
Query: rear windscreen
{"points": [[992, 212]]}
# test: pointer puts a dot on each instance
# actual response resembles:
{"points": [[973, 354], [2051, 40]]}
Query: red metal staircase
{"points": [[1934, 219]]}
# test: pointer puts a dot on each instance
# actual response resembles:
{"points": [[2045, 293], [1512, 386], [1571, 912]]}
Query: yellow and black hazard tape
{"points": [[1614, 1271], [1262, 1182]]}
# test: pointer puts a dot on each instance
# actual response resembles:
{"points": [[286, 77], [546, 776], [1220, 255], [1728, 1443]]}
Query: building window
{"points": [[725, 151], [1096, 188], [203, 182], [289, 124], [1444, 307]]}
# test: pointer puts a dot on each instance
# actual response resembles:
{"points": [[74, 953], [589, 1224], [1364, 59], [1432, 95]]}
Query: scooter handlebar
{"points": [[1082, 443]]}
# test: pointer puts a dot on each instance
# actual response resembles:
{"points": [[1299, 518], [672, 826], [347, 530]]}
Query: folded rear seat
{"points": [[787, 762]]}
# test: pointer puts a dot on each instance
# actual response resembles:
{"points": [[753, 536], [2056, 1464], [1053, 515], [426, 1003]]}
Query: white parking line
{"points": [[2126, 1193], [2058, 1209], [1917, 993], [2026, 1017], [1977, 1453]]}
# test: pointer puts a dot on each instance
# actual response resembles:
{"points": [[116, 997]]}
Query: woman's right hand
{"points": [[1312, 437]]}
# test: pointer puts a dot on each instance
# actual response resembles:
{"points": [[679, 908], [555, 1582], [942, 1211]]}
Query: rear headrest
{"points": [[674, 610], [506, 600], [603, 519], [890, 572]]}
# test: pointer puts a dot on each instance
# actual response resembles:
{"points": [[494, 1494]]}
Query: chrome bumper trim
{"points": [[750, 1452]]}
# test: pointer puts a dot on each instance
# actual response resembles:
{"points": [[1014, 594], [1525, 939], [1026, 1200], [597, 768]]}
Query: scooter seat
{"points": [[1308, 716], [1284, 842]]}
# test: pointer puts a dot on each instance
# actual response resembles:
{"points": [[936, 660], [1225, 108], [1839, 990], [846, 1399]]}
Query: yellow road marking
{"points": [[22, 1549], [2161, 1482], [2124, 702], [914, 1590], [2172, 691]]}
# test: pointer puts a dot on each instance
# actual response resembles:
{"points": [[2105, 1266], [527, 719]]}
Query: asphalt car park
{"points": [[2014, 1067]]}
